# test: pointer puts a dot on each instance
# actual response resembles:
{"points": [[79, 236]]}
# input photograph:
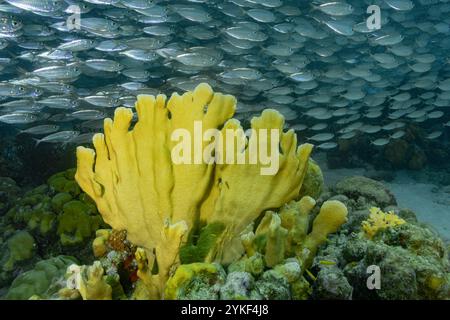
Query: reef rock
{"points": [[365, 190]]}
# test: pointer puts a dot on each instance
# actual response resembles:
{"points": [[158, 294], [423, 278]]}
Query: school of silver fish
{"points": [[66, 64]]}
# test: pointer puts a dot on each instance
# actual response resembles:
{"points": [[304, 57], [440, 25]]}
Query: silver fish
{"points": [[78, 45], [104, 65], [54, 73], [41, 130], [19, 118], [321, 137], [88, 115], [327, 145], [63, 137], [336, 8], [39, 6]]}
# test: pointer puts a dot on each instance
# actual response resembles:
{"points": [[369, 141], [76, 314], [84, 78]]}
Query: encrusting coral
{"points": [[138, 188], [379, 220]]}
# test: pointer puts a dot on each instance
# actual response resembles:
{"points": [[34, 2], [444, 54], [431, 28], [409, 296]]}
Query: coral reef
{"points": [[284, 235], [366, 191], [411, 259], [77, 223], [44, 281], [50, 220], [159, 215], [196, 281], [278, 252], [237, 233], [57, 209], [313, 184], [279, 262], [17, 250], [89, 281], [379, 220]]}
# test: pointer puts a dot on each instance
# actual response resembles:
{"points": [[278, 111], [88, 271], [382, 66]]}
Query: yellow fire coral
{"points": [[332, 215], [138, 187], [89, 281], [283, 235], [379, 220]]}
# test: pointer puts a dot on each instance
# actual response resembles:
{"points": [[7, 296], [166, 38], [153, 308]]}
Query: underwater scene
{"points": [[224, 150]]}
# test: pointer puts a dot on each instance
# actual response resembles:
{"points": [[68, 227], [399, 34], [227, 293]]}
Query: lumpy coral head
{"points": [[138, 187]]}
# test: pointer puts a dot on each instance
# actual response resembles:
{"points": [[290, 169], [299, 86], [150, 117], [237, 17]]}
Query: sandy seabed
{"points": [[430, 202]]}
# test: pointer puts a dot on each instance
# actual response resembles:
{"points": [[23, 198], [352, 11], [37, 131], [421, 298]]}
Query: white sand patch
{"points": [[431, 205]]}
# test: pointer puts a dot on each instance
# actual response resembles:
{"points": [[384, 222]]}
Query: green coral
{"points": [[284, 281], [61, 223], [18, 248], [44, 280], [313, 183], [77, 223], [59, 200], [199, 246], [72, 188], [210, 281], [58, 182], [239, 286], [413, 262], [254, 265], [41, 220], [269, 239], [286, 234], [273, 286], [196, 281], [64, 182]]}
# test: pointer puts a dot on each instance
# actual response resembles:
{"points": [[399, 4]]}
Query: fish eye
{"points": [[15, 23], [21, 89]]}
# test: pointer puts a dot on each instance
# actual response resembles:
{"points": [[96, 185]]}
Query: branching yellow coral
{"points": [[138, 187], [283, 235], [332, 215], [89, 281], [99, 243], [379, 220]]}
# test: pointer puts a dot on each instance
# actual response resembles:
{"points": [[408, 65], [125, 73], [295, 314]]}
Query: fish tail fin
{"points": [[23, 71], [19, 131], [38, 142]]}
